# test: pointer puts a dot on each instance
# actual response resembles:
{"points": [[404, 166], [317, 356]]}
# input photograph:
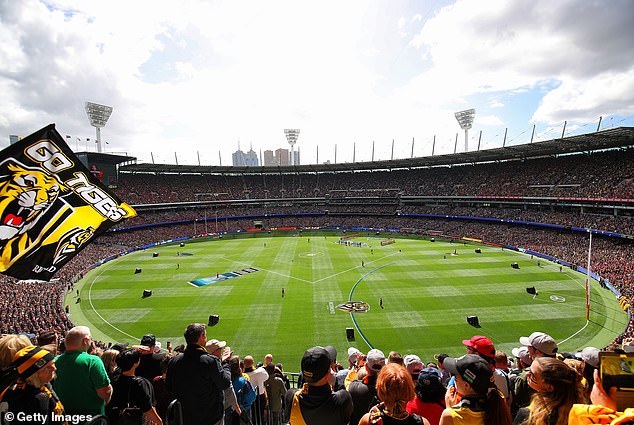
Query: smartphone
{"points": [[617, 370]]}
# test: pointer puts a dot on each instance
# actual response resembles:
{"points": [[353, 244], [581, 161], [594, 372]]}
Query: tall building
{"points": [[282, 157], [268, 159], [237, 158], [241, 159], [251, 158], [296, 155]]}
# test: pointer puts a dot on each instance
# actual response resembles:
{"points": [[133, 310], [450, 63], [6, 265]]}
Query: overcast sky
{"points": [[197, 78]]}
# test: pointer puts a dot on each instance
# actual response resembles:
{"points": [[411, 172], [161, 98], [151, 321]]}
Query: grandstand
{"points": [[543, 197]]}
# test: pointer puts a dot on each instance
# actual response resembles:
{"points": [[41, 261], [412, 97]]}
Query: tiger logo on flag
{"points": [[24, 195]]}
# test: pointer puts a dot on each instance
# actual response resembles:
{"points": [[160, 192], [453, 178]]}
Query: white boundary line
{"points": [[95, 310], [574, 334]]}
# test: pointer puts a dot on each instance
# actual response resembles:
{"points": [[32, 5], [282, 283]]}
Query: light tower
{"points": [[465, 119], [291, 136], [98, 116]]}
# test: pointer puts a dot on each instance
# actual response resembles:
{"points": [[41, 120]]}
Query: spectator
{"points": [[275, 391], [538, 344], [315, 403], [430, 396], [342, 376], [129, 390], [395, 389], [150, 366], [334, 366], [33, 393], [363, 392], [161, 394], [414, 365], [557, 387], [590, 358], [245, 393], [198, 379], [444, 375], [523, 362], [395, 357], [603, 409], [82, 382], [483, 347], [480, 403], [257, 376], [109, 359]]}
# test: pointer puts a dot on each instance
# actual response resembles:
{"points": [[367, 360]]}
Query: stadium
{"points": [[376, 253], [407, 256], [539, 202]]}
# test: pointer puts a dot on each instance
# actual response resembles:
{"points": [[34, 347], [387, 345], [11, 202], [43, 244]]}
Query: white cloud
{"points": [[196, 76], [488, 120]]}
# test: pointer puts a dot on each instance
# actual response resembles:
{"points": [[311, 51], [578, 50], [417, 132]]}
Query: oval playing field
{"points": [[279, 295]]}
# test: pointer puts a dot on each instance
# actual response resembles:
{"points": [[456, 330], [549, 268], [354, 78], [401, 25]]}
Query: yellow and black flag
{"points": [[51, 206]]}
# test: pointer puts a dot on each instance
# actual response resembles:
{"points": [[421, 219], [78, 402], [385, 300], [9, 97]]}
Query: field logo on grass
{"points": [[222, 277], [354, 307]]}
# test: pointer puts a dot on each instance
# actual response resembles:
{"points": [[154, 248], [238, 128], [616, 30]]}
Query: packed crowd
{"points": [[222, 215], [58, 378], [599, 175]]}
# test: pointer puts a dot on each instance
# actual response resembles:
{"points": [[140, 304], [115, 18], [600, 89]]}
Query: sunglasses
{"points": [[531, 377]]}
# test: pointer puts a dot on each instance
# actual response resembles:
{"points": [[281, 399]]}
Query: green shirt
{"points": [[79, 375]]}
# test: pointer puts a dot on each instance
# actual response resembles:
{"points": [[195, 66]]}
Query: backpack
{"points": [[246, 395]]}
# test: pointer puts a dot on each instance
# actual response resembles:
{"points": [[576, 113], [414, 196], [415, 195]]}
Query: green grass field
{"points": [[427, 293]]}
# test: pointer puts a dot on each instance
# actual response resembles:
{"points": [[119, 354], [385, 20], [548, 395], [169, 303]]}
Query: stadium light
{"points": [[291, 136], [98, 116], [465, 119]]}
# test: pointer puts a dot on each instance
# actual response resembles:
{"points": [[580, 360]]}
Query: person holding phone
{"points": [[603, 408], [481, 403]]}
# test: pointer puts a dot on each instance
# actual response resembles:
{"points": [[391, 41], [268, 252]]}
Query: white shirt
{"points": [[257, 378]]}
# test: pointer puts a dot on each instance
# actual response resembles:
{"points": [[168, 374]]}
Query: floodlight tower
{"points": [[465, 119], [98, 116], [291, 136]]}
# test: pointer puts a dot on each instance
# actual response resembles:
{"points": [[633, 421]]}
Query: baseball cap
{"points": [[541, 342], [522, 354], [315, 364], [375, 359], [411, 360], [429, 381], [473, 369], [481, 344], [213, 345], [590, 355], [332, 352], [148, 340], [353, 354], [31, 359]]}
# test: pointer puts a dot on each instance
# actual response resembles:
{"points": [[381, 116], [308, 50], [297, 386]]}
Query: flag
{"points": [[51, 206]]}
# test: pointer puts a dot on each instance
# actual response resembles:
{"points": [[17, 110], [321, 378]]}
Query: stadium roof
{"points": [[104, 158], [622, 137]]}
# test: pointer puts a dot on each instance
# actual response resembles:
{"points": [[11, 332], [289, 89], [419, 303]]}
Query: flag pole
{"points": [[588, 279]]}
